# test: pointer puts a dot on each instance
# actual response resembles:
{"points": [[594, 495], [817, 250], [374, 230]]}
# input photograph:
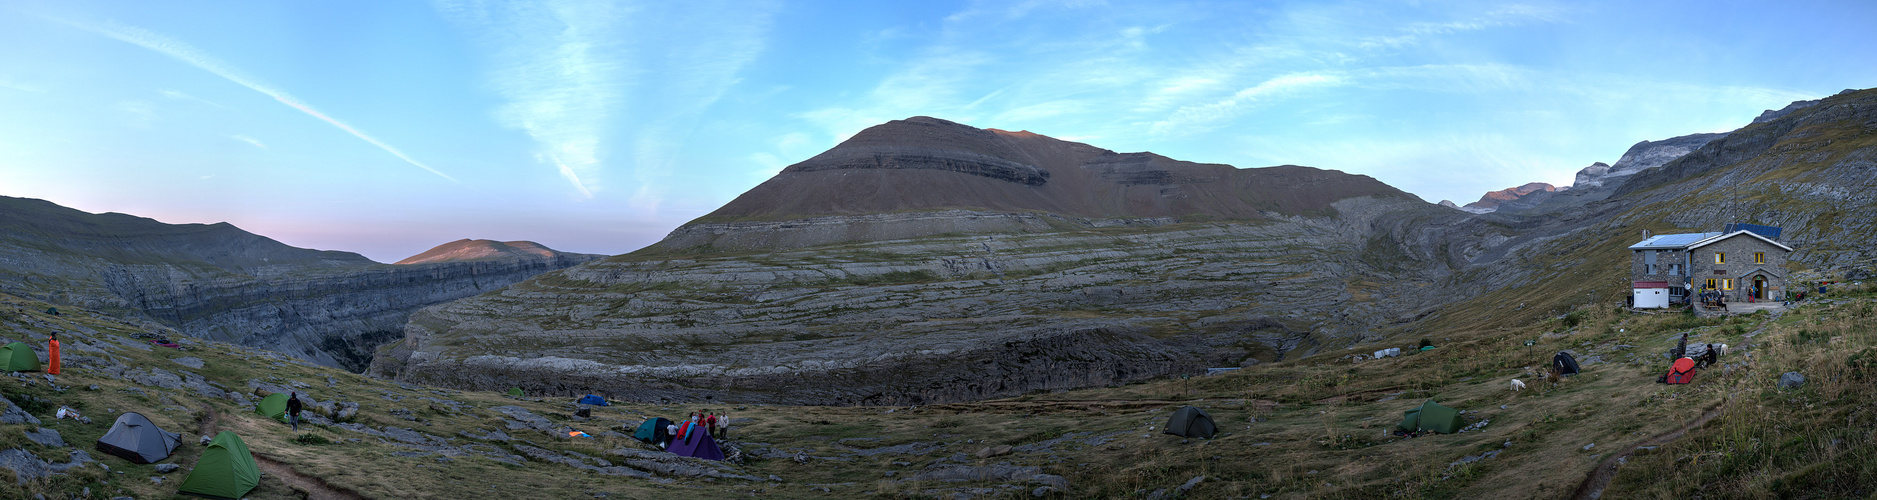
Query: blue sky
{"points": [[386, 128]]}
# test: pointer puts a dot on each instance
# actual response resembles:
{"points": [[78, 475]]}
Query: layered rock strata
{"points": [[926, 320]]}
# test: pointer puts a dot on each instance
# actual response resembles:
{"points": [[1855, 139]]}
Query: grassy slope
{"points": [[1320, 428]]}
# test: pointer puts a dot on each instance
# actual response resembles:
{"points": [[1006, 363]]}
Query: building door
{"points": [[1759, 287]]}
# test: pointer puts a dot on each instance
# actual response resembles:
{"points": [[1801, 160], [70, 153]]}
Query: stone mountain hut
{"points": [[1741, 263]]}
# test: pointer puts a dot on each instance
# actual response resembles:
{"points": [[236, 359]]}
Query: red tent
{"points": [[1682, 372]]}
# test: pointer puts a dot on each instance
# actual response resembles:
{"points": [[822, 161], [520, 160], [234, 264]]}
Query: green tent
{"points": [[514, 391], [273, 406], [1191, 422], [18, 357], [1431, 416], [225, 470]]}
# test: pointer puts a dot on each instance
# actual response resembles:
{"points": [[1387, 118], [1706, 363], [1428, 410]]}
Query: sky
{"points": [[389, 127]]}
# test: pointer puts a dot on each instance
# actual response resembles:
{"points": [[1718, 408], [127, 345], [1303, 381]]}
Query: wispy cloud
{"points": [[6, 83], [572, 71], [177, 95], [196, 57], [138, 114], [1205, 116], [249, 140], [1503, 16]]}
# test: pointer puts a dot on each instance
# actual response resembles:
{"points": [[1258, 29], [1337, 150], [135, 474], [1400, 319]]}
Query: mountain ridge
{"points": [[974, 285], [220, 282], [470, 249]]}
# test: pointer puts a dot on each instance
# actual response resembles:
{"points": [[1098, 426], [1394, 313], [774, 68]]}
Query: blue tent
{"points": [[593, 400]]}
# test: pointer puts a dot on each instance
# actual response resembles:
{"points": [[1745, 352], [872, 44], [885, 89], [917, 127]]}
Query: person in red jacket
{"points": [[52, 353], [710, 422]]}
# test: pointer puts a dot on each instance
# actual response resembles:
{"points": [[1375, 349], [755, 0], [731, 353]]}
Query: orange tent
{"points": [[1682, 372]]}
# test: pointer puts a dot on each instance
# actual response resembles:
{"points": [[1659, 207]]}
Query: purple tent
{"points": [[696, 443]]}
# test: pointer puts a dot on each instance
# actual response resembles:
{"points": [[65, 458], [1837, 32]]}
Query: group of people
{"points": [[693, 437], [717, 426]]}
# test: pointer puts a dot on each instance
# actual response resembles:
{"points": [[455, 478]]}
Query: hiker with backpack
{"points": [[293, 410]]}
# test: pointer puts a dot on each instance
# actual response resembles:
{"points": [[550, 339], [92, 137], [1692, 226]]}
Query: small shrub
{"points": [[311, 439], [1426, 342], [1569, 321], [1863, 364]]}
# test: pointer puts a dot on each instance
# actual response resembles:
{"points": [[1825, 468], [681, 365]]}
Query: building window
{"points": [[1727, 284], [1676, 291], [1720, 257], [1710, 283], [1759, 257], [1674, 269]]}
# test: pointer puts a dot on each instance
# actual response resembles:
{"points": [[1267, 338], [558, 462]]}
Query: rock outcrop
{"points": [[888, 271], [1528, 193], [1644, 155], [219, 282]]}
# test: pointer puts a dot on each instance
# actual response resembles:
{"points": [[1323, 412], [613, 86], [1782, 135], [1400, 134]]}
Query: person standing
{"points": [[52, 354], [710, 422], [293, 410]]}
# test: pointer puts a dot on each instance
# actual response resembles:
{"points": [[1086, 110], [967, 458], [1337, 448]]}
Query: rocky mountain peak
{"points": [[912, 168], [1492, 200], [468, 249], [1644, 155]]}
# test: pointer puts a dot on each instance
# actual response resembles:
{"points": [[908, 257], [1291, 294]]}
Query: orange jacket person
{"points": [[52, 353]]}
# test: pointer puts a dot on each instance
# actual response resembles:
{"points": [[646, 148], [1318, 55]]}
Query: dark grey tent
{"points": [[137, 440], [1191, 422], [1564, 363]]}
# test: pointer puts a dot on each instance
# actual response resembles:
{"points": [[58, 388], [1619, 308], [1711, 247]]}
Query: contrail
{"points": [[189, 54]]}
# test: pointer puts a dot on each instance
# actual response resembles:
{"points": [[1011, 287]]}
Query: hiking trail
{"points": [[1599, 478], [315, 488]]}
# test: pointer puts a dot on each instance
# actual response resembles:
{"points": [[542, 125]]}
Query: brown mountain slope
{"points": [[929, 164], [468, 249]]}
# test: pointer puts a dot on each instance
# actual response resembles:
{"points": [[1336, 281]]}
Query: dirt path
{"points": [[315, 488], [1600, 477]]}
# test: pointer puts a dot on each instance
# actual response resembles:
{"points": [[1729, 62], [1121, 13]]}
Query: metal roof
{"points": [[1672, 241]]}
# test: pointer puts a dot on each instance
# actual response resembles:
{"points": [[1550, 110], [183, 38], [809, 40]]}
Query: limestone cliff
{"points": [[217, 281], [928, 261]]}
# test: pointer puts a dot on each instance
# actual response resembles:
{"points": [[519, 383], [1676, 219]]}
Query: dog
{"points": [[1720, 349], [1518, 384]]}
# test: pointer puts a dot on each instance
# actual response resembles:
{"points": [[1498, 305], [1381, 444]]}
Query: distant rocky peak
{"points": [[1774, 114], [1492, 200], [468, 249], [1644, 155], [1591, 176]]}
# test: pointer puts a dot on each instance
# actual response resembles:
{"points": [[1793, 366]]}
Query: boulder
{"points": [[47, 437], [1791, 380]]}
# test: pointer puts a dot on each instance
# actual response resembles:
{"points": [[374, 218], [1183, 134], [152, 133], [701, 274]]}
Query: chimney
{"points": [[1645, 234]]}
